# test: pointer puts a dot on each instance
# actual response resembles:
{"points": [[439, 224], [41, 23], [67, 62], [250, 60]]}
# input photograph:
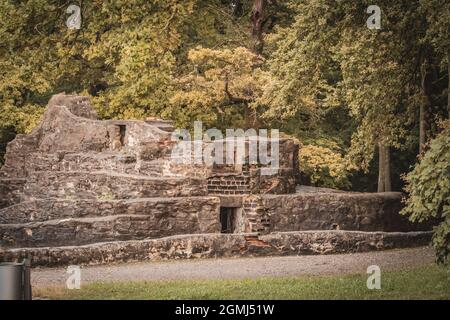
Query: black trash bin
{"points": [[15, 281]]}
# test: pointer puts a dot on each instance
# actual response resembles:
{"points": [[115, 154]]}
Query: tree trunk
{"points": [[384, 170], [257, 21], [381, 168], [387, 170], [448, 87], [425, 105], [422, 129], [257, 18]]}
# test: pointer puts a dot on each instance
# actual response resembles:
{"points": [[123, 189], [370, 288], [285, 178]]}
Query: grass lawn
{"points": [[430, 282]]}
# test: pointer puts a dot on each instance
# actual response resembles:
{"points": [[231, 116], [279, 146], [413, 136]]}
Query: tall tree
{"points": [[426, 75], [384, 169], [258, 17], [328, 57], [437, 36], [221, 89], [126, 54]]}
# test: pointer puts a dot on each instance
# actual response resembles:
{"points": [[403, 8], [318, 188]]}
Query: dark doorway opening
{"points": [[228, 219], [122, 132]]}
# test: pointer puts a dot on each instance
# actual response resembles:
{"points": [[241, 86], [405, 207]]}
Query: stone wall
{"points": [[11, 191], [252, 182], [255, 215], [108, 185], [337, 210], [286, 177], [283, 182], [231, 184], [77, 222], [67, 129], [219, 245], [202, 209], [249, 178], [76, 180]]}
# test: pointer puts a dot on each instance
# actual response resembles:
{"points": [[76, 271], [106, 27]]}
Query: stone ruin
{"points": [[80, 190]]}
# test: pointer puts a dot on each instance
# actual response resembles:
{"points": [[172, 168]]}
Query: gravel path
{"points": [[240, 268]]}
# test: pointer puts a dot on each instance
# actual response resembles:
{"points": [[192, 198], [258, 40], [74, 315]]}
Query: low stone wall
{"points": [[218, 245], [337, 211], [76, 222]]}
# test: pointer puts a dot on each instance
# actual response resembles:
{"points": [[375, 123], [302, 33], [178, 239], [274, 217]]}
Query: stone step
{"points": [[219, 192], [103, 185], [202, 208], [81, 231]]}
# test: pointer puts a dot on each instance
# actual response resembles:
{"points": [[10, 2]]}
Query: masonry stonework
{"points": [[82, 190]]}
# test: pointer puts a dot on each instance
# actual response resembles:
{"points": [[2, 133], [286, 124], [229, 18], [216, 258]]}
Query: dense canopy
{"points": [[365, 103]]}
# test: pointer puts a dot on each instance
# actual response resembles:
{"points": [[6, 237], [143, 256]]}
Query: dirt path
{"points": [[242, 267]]}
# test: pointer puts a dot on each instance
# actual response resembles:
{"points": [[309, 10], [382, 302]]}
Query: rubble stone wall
{"points": [[10, 191], [258, 179], [78, 181], [67, 129], [337, 210], [75, 222], [255, 215], [219, 245], [107, 185]]}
